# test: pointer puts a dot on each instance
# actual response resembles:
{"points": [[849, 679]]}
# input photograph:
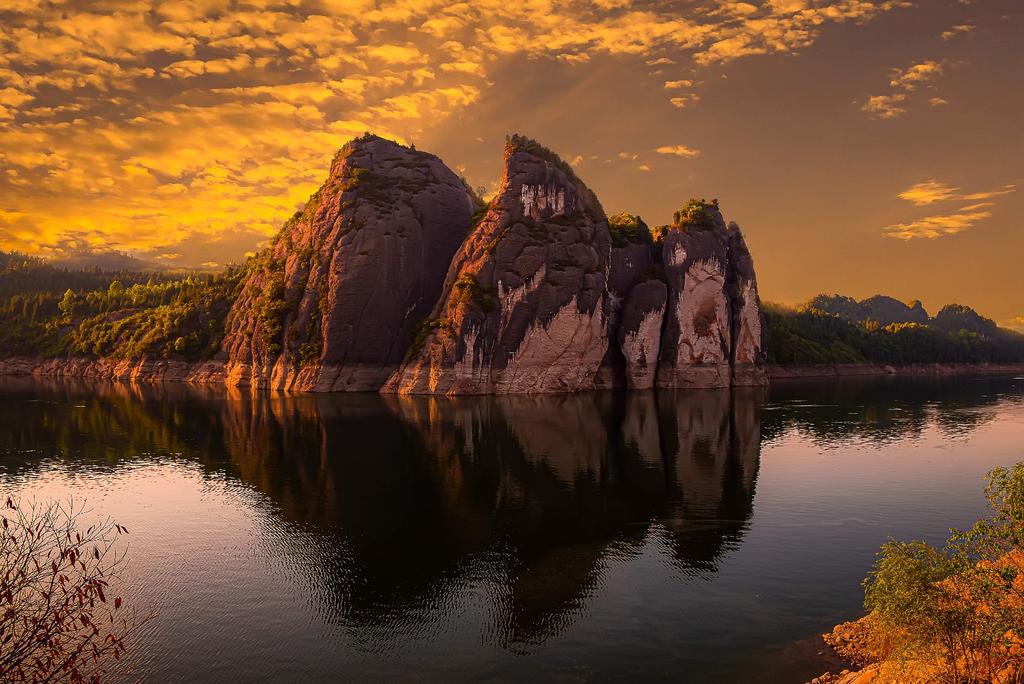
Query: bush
{"points": [[957, 611], [61, 619]]}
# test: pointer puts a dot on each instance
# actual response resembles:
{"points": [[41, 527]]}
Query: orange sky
{"points": [[864, 145]]}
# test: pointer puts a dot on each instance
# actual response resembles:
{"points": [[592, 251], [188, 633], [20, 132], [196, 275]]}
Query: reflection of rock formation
{"points": [[400, 501], [393, 504]]}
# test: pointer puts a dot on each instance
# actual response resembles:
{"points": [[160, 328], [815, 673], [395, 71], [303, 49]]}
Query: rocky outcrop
{"points": [[748, 357], [332, 304], [713, 325], [631, 263], [395, 278], [697, 341], [524, 306], [639, 333]]}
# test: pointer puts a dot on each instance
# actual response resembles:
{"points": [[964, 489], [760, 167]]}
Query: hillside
{"points": [[833, 329]]}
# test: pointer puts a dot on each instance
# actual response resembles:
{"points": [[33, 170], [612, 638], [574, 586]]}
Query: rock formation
{"points": [[636, 303], [748, 355], [696, 344], [524, 302], [332, 304]]}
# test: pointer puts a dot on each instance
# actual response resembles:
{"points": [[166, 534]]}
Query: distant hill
{"points": [[880, 309], [835, 329]]}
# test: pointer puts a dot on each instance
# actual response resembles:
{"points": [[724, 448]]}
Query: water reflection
{"points": [[411, 500]]}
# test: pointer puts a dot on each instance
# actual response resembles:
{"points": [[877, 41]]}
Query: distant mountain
{"points": [[880, 309], [953, 317]]}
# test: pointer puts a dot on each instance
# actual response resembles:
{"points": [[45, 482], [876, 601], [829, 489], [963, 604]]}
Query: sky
{"points": [[864, 146]]}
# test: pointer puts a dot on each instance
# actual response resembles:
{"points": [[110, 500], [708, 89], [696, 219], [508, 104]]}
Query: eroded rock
{"points": [[332, 304], [524, 302]]}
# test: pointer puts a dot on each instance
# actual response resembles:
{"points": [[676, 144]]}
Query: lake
{"points": [[697, 536]]}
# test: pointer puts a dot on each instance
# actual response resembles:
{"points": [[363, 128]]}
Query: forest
{"points": [[48, 310], [807, 335]]}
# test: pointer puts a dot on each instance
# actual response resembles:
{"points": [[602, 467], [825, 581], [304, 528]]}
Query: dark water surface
{"points": [[692, 536]]}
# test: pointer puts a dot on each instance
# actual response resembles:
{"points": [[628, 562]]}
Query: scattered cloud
{"points": [[949, 223], [684, 101], [902, 82], [643, 167], [678, 151], [1016, 323], [932, 227], [885, 106], [160, 128], [932, 191], [915, 75], [576, 161], [938, 101], [957, 30]]}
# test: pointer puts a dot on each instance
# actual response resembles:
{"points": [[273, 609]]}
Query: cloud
{"points": [[1016, 323], [916, 75], [932, 227], [957, 30], [684, 101], [678, 151], [902, 82], [151, 127], [885, 106], [932, 191], [939, 225]]}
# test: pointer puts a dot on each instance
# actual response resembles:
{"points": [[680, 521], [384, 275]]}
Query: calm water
{"points": [[692, 536]]}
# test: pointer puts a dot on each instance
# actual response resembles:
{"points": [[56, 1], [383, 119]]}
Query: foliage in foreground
{"points": [[59, 620], [955, 614]]}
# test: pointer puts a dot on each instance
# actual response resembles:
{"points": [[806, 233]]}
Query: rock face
{"points": [[748, 357], [332, 304], [524, 307], [639, 332], [632, 263], [697, 340], [713, 315]]}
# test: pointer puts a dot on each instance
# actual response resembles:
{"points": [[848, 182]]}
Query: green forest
{"points": [[49, 310], [808, 335]]}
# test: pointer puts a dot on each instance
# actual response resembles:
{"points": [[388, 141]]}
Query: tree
{"points": [[957, 611], [60, 619], [67, 303]]}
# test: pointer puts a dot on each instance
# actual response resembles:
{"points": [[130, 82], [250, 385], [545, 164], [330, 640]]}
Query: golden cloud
{"points": [[205, 118], [932, 191], [932, 227], [678, 151], [885, 106]]}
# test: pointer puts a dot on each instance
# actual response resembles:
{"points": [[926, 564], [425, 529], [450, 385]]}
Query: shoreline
{"points": [[213, 372], [825, 371]]}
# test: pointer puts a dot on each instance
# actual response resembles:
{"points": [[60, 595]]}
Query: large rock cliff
{"points": [[697, 339], [524, 302], [332, 304]]}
